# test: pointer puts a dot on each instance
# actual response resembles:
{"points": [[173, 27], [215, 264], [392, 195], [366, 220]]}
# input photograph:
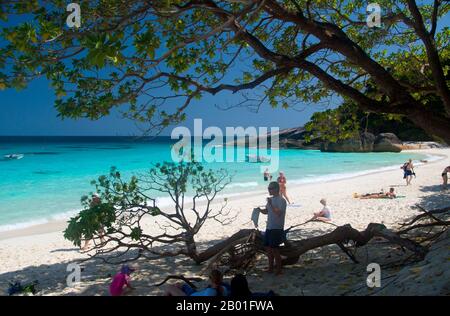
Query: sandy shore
{"points": [[41, 253]]}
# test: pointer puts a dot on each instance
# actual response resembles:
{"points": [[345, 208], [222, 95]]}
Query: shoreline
{"points": [[54, 226], [44, 256]]}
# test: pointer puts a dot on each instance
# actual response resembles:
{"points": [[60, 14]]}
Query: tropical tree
{"points": [[129, 223], [156, 57]]}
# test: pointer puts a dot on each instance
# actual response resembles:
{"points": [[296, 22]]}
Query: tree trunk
{"points": [[432, 124], [292, 250]]}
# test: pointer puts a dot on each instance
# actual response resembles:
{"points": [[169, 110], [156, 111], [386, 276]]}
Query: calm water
{"points": [[55, 172]]}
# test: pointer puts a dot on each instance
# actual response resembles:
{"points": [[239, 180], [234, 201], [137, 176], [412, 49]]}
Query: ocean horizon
{"points": [[55, 172]]}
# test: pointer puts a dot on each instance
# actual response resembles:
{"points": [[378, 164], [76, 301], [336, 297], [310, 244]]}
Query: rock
{"points": [[360, 143], [387, 142], [288, 138], [422, 145]]}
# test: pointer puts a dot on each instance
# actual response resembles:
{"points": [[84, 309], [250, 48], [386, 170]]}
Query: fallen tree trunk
{"points": [[293, 249]]}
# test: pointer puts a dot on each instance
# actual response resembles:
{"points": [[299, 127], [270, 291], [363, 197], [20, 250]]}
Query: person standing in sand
{"points": [[408, 171], [94, 202], [274, 235], [445, 177], [267, 175], [282, 183]]}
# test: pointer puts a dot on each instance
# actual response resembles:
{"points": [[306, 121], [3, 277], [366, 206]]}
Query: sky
{"points": [[31, 112]]}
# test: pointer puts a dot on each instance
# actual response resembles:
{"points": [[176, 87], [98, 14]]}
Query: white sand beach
{"points": [[41, 253]]}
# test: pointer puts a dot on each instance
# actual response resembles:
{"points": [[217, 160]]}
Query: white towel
{"points": [[255, 216]]}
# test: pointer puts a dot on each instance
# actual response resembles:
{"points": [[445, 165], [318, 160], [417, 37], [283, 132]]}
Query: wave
{"points": [[42, 221], [165, 201], [348, 175], [243, 184]]}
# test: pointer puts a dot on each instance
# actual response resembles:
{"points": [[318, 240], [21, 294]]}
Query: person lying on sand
{"points": [[120, 284], [324, 215], [381, 195], [216, 287]]}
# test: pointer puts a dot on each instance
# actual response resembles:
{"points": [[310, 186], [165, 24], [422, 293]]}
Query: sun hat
{"points": [[126, 269]]}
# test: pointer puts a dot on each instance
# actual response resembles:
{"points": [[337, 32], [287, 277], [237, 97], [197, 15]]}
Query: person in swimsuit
{"points": [[445, 177], [282, 182], [408, 171], [267, 175], [388, 195]]}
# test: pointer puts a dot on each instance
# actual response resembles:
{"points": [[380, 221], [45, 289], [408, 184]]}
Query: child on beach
{"points": [[324, 215], [120, 284]]}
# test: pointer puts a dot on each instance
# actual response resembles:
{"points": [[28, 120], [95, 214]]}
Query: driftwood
{"points": [[236, 252], [239, 251]]}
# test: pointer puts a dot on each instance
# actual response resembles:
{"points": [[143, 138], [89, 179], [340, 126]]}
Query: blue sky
{"points": [[30, 112]]}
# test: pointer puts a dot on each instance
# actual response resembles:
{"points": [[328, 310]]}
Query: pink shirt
{"points": [[118, 282]]}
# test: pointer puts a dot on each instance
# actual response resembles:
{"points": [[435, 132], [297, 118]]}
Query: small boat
{"points": [[257, 158], [13, 156]]}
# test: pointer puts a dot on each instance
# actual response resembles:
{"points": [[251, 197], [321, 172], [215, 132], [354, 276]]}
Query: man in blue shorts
{"points": [[274, 235]]}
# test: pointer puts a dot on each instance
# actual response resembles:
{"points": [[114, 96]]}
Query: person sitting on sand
{"points": [[274, 235], [120, 284], [216, 287], [445, 177], [324, 215], [381, 195], [239, 288]]}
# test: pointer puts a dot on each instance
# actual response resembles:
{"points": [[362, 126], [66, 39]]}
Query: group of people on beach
{"points": [[238, 287], [274, 237], [281, 181], [408, 173]]}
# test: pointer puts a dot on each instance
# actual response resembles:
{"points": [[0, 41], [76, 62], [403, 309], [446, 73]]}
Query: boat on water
{"points": [[257, 158], [13, 156]]}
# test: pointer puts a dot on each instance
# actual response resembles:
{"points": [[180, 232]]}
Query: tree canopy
{"points": [[155, 57]]}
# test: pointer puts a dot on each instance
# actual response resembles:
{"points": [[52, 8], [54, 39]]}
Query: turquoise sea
{"points": [[47, 183]]}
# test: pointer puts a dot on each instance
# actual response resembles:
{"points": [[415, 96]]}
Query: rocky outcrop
{"points": [[364, 142], [361, 143], [288, 138], [421, 145], [387, 142]]}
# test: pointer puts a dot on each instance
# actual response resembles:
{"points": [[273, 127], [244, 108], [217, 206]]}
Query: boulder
{"points": [[387, 142], [359, 143]]}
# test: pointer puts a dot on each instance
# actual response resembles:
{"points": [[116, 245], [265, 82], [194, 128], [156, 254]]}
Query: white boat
{"points": [[256, 158], [13, 156]]}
